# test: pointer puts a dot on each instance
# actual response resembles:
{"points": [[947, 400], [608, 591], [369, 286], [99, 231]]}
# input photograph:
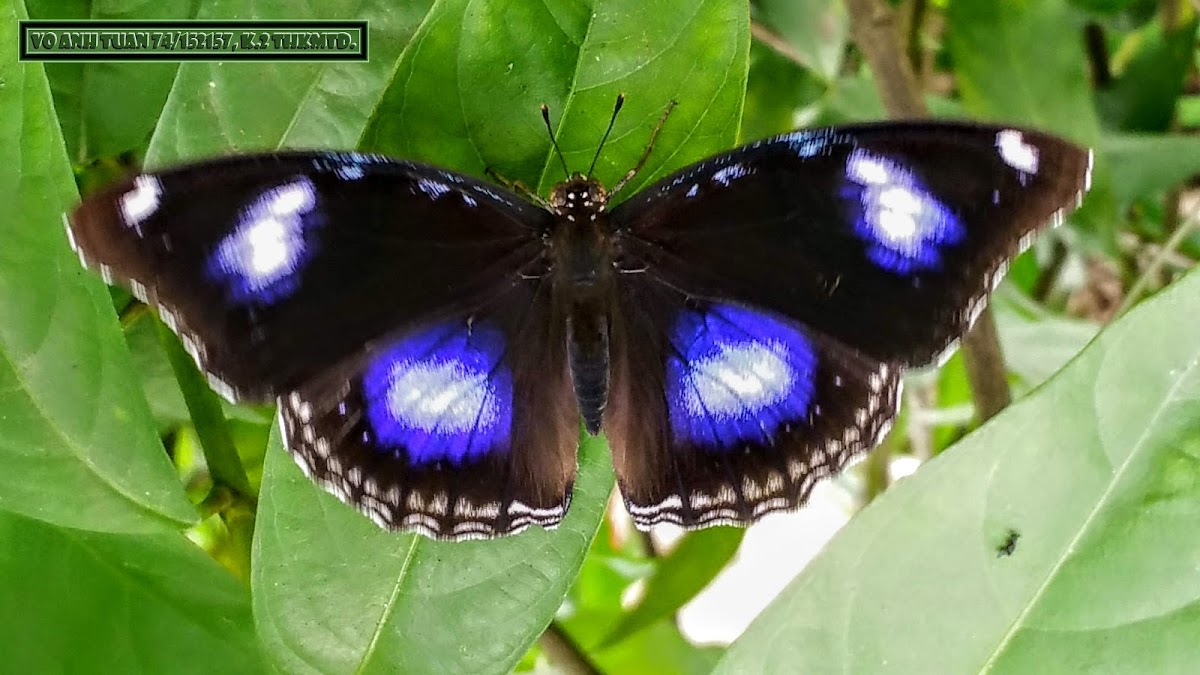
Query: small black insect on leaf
{"points": [[1009, 546]]}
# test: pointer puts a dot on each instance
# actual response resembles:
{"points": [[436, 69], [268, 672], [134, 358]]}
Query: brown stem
{"points": [[776, 42], [564, 654], [873, 26], [986, 371], [874, 29]]}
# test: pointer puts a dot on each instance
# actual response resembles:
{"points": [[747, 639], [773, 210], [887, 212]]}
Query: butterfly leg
{"points": [[645, 153], [517, 186]]}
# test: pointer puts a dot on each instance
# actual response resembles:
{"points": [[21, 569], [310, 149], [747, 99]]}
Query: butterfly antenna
{"points": [[646, 153], [611, 121], [553, 141]]}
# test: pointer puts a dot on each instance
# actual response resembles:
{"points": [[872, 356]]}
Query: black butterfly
{"points": [[738, 329]]}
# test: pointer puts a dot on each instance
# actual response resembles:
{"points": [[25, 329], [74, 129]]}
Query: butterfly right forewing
{"points": [[272, 268]]}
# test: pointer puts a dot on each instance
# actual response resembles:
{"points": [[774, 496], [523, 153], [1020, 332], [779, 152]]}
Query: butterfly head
{"points": [[578, 195]]}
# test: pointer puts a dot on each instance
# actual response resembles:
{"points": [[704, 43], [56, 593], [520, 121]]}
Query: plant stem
{"points": [[776, 42], [564, 654], [1147, 276]]}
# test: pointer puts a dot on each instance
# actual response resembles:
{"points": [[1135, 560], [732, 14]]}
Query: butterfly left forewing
{"points": [[722, 413], [461, 428]]}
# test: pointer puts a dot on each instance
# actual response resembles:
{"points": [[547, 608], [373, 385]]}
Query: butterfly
{"points": [[737, 330]]}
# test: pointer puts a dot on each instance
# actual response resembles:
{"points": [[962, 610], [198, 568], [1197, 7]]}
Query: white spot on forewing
{"points": [[740, 377], [730, 173], [866, 169], [432, 188], [1016, 152], [441, 396], [141, 202], [270, 240]]}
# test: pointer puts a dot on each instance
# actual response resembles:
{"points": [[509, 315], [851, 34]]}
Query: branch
{"points": [[564, 654], [873, 27]]}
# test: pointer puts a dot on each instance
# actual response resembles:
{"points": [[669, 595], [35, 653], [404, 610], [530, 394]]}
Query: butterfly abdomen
{"points": [[587, 347]]}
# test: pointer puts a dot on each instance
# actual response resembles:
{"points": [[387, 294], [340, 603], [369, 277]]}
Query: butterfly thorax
{"points": [[581, 249]]}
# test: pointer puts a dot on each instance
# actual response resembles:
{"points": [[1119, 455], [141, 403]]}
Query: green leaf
{"points": [[220, 107], [443, 106], [335, 593], [470, 57], [1143, 165], [816, 30], [95, 122], [88, 602], [1151, 77], [776, 91], [680, 576], [1097, 472], [658, 650], [1018, 62], [77, 441]]}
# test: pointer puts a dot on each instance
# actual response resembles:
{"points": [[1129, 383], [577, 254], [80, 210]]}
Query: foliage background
{"points": [[216, 554]]}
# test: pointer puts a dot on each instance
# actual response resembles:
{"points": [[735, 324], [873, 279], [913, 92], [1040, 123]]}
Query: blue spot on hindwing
{"points": [[737, 376], [441, 394]]}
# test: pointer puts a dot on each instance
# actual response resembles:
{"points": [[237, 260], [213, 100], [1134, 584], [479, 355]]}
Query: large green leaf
{"points": [[95, 122], [1151, 78], [444, 106], [218, 107], [76, 439], [1097, 474], [90, 602], [334, 593], [469, 58], [1022, 61]]}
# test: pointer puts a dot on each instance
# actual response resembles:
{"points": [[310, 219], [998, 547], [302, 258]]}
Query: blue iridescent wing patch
{"points": [[735, 376], [443, 394]]}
